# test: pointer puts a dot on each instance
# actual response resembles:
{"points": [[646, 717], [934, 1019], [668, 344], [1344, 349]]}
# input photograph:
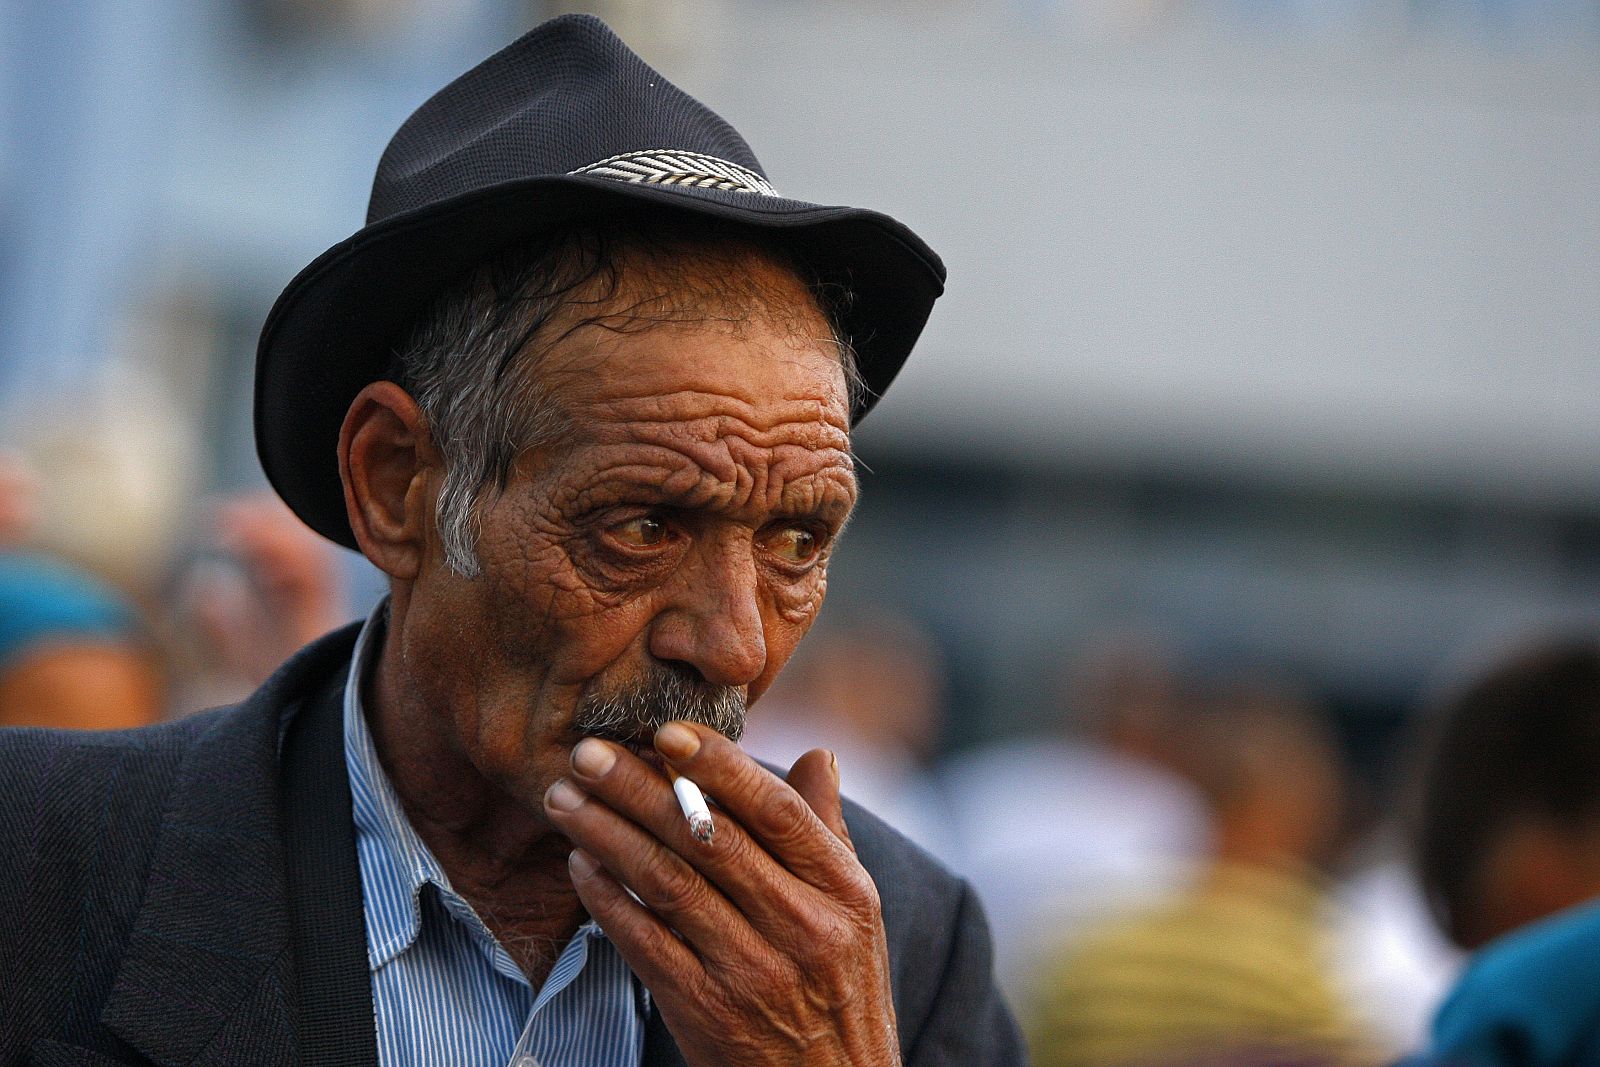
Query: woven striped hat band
{"points": [[665, 166]]}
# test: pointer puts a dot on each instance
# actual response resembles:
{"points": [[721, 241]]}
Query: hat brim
{"points": [[334, 328]]}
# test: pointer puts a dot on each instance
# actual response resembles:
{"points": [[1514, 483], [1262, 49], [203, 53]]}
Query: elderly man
{"points": [[583, 389]]}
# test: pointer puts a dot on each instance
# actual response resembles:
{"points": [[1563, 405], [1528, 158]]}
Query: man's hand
{"points": [[764, 945]]}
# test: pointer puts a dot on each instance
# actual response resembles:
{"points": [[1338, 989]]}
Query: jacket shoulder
{"points": [[82, 809], [95, 827], [58, 783], [80, 817], [947, 1004]]}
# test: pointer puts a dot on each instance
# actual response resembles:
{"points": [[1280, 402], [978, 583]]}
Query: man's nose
{"points": [[713, 622]]}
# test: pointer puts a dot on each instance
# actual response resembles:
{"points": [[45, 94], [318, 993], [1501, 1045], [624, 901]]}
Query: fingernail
{"points": [[593, 758], [563, 796], [833, 762], [581, 863], [677, 741]]}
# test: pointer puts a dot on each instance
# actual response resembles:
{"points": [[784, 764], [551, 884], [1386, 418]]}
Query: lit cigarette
{"points": [[693, 804]]}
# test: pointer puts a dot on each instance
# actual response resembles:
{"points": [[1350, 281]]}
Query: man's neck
{"points": [[500, 857]]}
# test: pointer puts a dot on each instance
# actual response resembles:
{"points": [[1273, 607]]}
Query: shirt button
{"points": [[526, 1061]]}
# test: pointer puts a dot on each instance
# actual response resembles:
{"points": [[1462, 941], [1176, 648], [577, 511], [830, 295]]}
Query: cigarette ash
{"points": [[701, 828]]}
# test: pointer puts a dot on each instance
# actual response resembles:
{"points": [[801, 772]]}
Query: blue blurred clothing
{"points": [[1530, 999], [43, 600]]}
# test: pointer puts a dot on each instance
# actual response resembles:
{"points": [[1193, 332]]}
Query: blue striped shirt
{"points": [[445, 992]]}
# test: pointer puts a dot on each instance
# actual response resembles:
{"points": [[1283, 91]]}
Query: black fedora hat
{"points": [[565, 124]]}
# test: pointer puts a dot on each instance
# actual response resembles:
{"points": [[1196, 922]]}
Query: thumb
{"points": [[815, 776]]}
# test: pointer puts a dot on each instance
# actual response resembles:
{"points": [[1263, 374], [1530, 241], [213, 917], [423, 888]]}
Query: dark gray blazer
{"points": [[171, 900]]}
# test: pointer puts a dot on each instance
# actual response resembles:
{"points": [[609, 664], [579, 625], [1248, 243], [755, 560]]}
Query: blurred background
{"points": [[1263, 403]]}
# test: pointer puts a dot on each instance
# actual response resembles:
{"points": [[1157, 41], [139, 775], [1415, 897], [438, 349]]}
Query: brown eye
{"points": [[647, 531], [796, 545]]}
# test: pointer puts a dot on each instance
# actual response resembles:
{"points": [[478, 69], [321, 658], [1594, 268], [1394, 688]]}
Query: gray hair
{"points": [[471, 360]]}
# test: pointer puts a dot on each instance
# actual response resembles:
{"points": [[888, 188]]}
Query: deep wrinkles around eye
{"points": [[823, 493]]}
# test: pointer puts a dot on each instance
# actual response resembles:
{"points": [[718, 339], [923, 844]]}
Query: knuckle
{"points": [[654, 940], [857, 893], [830, 937], [667, 883], [865, 892], [635, 788], [747, 777], [784, 815]]}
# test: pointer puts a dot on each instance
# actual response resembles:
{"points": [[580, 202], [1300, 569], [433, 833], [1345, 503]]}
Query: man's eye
{"points": [[644, 532], [796, 545]]}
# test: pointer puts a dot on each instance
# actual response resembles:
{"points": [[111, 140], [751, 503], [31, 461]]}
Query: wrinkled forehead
{"points": [[656, 280], [724, 334]]}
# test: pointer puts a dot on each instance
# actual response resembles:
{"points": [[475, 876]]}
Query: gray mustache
{"points": [[670, 691]]}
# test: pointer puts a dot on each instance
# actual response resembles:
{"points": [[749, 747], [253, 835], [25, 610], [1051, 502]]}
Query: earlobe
{"points": [[386, 456]]}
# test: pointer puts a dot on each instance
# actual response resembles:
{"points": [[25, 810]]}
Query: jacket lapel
{"points": [[208, 974], [327, 918]]}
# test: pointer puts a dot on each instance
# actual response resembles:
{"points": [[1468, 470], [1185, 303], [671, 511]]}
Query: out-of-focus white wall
{"points": [[1361, 255]]}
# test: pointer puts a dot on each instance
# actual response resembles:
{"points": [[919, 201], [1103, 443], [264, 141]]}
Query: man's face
{"points": [[676, 541]]}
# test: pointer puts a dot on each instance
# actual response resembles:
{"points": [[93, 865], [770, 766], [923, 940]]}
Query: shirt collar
{"points": [[396, 863]]}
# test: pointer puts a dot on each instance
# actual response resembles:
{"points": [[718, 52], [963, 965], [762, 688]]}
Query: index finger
{"points": [[769, 809]]}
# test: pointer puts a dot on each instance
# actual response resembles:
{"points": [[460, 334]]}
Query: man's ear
{"points": [[386, 458]]}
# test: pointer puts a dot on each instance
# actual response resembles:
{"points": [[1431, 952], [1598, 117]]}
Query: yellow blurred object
{"points": [[1238, 968]]}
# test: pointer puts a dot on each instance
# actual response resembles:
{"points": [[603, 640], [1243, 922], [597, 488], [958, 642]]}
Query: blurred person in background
{"points": [[1236, 969], [115, 473], [73, 653], [1057, 829], [18, 499], [260, 585], [1508, 846], [871, 689], [93, 494], [91, 635]]}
